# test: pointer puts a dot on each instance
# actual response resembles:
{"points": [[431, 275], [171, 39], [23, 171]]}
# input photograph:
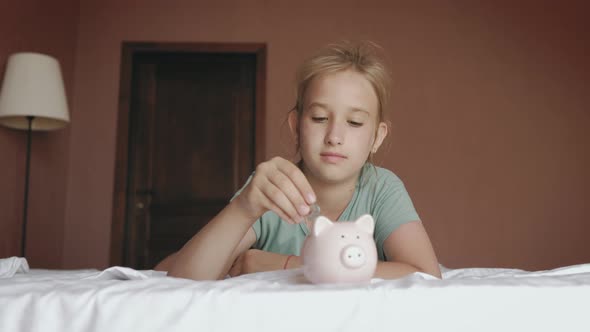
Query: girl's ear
{"points": [[294, 123], [381, 134]]}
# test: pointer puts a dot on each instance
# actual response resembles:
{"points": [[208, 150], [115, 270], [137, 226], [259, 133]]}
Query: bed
{"points": [[123, 299]]}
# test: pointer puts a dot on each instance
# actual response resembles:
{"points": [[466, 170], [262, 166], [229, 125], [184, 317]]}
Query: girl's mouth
{"points": [[332, 157]]}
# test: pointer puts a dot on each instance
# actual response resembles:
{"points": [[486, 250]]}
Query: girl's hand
{"points": [[254, 260], [278, 185]]}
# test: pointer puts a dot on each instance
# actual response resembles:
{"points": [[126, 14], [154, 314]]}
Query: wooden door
{"points": [[191, 144]]}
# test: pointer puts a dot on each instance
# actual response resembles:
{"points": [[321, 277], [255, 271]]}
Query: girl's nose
{"points": [[335, 135]]}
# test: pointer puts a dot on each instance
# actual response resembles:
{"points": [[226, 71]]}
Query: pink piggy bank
{"points": [[342, 252]]}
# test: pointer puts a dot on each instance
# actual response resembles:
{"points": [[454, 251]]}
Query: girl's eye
{"points": [[355, 124], [319, 119]]}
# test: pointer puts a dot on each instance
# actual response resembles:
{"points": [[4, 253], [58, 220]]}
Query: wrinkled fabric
{"points": [[123, 299], [10, 266]]}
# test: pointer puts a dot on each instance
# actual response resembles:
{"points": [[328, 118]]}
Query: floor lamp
{"points": [[32, 98]]}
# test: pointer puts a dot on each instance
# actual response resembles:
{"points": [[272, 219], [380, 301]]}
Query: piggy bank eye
{"points": [[358, 237], [342, 236]]}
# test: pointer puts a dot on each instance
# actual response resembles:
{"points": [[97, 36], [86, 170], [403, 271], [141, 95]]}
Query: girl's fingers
{"points": [[298, 179], [270, 205], [288, 188], [285, 189]]}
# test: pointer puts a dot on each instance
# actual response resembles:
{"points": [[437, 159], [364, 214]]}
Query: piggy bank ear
{"points": [[366, 223], [321, 223]]}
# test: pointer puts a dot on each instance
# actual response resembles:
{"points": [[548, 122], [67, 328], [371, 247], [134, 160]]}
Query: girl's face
{"points": [[339, 126]]}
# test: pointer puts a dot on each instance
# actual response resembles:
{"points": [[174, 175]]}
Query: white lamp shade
{"points": [[33, 86]]}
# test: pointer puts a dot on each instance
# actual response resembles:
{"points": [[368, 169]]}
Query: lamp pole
{"points": [[23, 241]]}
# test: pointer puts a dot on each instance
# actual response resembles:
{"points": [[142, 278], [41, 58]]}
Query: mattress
{"points": [[123, 299]]}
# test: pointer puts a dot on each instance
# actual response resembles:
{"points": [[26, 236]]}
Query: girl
{"points": [[338, 125]]}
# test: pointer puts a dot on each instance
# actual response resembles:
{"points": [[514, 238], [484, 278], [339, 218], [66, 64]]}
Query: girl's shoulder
{"points": [[377, 176]]}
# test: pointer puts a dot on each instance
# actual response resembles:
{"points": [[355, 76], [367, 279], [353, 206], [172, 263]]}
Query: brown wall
{"points": [[47, 27], [490, 121], [490, 113]]}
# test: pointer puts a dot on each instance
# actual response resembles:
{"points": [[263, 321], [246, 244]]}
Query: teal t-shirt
{"points": [[378, 192]]}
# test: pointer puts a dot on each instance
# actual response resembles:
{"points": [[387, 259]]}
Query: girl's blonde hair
{"points": [[361, 57]]}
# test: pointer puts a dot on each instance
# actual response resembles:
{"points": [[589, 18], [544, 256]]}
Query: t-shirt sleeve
{"points": [[393, 208]]}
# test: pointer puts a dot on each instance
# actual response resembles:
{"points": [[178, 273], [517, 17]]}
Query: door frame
{"points": [[128, 50]]}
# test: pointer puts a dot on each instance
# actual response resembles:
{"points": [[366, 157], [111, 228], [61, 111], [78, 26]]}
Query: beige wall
{"points": [[490, 113], [47, 27]]}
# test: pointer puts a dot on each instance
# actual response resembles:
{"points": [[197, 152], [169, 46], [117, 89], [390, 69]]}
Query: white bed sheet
{"points": [[123, 299]]}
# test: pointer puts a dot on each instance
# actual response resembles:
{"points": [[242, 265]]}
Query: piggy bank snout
{"points": [[353, 257]]}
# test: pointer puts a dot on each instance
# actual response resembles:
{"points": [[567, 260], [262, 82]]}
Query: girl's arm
{"points": [[277, 185], [208, 255], [247, 241], [408, 250]]}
